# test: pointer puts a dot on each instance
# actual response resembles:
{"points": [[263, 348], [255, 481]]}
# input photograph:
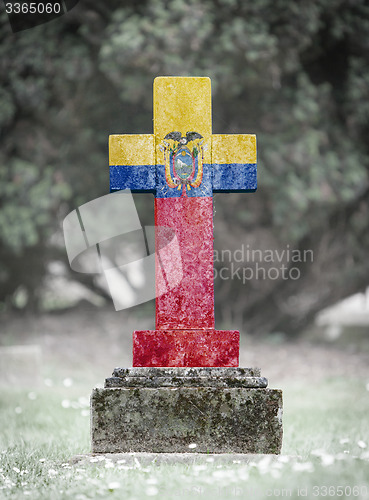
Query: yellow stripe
{"points": [[233, 148], [132, 149], [182, 104]]}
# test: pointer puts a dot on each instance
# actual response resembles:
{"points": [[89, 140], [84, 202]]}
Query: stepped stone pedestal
{"points": [[166, 410]]}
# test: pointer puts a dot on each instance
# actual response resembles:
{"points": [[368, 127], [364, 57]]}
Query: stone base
{"points": [[206, 347], [163, 410]]}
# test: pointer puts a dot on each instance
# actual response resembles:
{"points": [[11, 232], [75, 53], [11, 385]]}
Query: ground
{"points": [[42, 427]]}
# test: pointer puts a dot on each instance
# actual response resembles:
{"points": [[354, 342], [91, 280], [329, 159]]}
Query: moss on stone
{"points": [[218, 420]]}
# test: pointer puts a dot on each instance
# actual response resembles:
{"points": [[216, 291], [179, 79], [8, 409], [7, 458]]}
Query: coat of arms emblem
{"points": [[183, 158]]}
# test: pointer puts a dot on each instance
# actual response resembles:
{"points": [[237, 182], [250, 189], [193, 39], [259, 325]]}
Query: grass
{"points": [[325, 451]]}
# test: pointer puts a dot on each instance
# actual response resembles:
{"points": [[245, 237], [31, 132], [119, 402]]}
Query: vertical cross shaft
{"points": [[181, 109]]}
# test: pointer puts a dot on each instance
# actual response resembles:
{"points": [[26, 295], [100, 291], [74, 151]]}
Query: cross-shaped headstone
{"points": [[183, 164]]}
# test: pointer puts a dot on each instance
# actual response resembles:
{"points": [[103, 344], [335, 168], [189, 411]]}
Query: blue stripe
{"points": [[164, 191], [137, 178], [225, 177], [234, 177]]}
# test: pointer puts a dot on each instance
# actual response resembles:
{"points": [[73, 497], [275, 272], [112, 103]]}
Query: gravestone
{"points": [[185, 391]]}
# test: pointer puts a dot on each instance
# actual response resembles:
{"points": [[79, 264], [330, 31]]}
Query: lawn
{"points": [[325, 451]]}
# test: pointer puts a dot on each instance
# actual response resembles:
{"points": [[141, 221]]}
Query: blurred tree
{"points": [[296, 74]]}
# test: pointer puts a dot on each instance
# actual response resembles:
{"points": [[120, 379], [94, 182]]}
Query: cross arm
{"points": [[132, 162], [234, 162]]}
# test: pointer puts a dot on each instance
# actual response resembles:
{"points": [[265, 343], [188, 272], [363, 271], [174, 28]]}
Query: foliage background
{"points": [[294, 73]]}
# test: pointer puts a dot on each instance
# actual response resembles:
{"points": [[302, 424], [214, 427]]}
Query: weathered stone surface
{"points": [[255, 382], [190, 305], [186, 371], [206, 347], [165, 419], [186, 377]]}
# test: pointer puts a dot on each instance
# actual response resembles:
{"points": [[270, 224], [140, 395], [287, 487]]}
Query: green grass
{"points": [[323, 424]]}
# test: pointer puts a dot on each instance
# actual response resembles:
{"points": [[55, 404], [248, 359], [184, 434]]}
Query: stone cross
{"points": [[182, 163]]}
